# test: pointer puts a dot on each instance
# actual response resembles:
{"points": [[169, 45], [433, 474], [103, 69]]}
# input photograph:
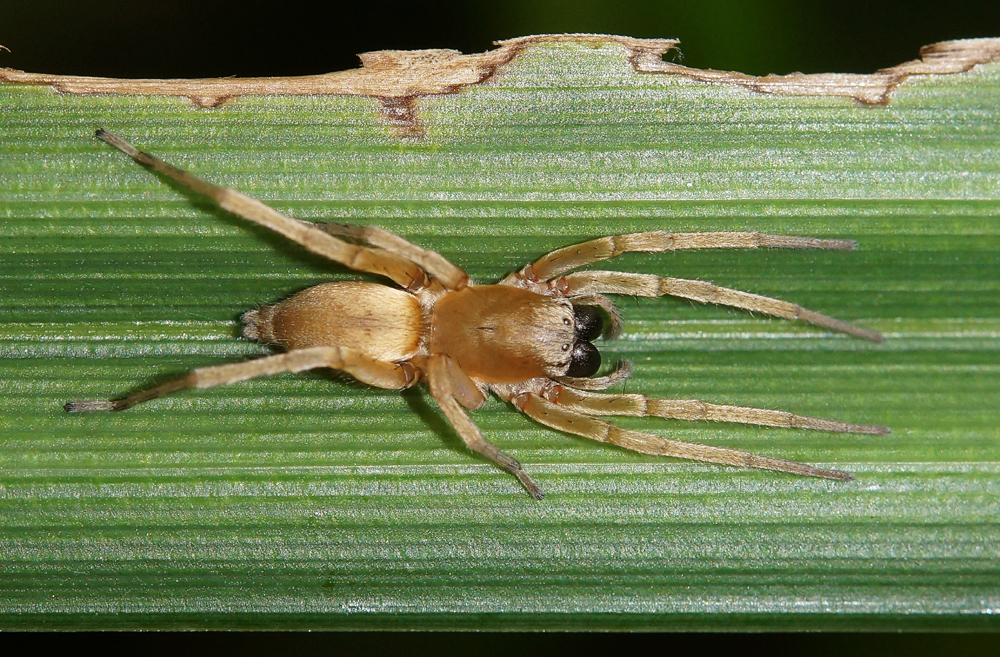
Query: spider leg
{"points": [[401, 270], [391, 376], [648, 285], [432, 262], [591, 403], [562, 260], [439, 378], [556, 417]]}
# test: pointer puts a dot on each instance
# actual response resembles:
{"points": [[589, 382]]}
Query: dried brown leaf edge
{"points": [[399, 78]]}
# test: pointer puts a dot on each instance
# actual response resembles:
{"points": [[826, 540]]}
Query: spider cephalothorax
{"points": [[528, 339]]}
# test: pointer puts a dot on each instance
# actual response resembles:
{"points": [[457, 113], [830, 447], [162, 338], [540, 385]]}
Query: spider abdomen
{"points": [[377, 320]]}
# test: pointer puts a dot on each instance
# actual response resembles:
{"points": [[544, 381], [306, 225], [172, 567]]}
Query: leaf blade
{"points": [[305, 502]]}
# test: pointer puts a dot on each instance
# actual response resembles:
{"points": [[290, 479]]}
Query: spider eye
{"points": [[586, 360], [589, 323]]}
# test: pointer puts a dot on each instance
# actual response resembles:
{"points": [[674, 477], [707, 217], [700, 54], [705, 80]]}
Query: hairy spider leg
{"points": [[556, 417], [381, 261], [649, 285], [560, 261], [432, 262], [638, 405], [439, 379], [392, 376]]}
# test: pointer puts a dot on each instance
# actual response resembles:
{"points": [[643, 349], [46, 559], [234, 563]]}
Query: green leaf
{"points": [[304, 501]]}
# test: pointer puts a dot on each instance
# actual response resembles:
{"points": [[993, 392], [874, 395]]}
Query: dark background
{"points": [[209, 38], [474, 644]]}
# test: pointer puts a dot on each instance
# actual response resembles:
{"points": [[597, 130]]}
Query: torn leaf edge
{"points": [[398, 78]]}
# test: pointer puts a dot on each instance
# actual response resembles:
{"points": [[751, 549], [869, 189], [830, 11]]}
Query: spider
{"points": [[528, 339]]}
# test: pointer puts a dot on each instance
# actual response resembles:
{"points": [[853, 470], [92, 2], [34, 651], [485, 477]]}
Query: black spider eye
{"points": [[589, 323], [585, 362]]}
